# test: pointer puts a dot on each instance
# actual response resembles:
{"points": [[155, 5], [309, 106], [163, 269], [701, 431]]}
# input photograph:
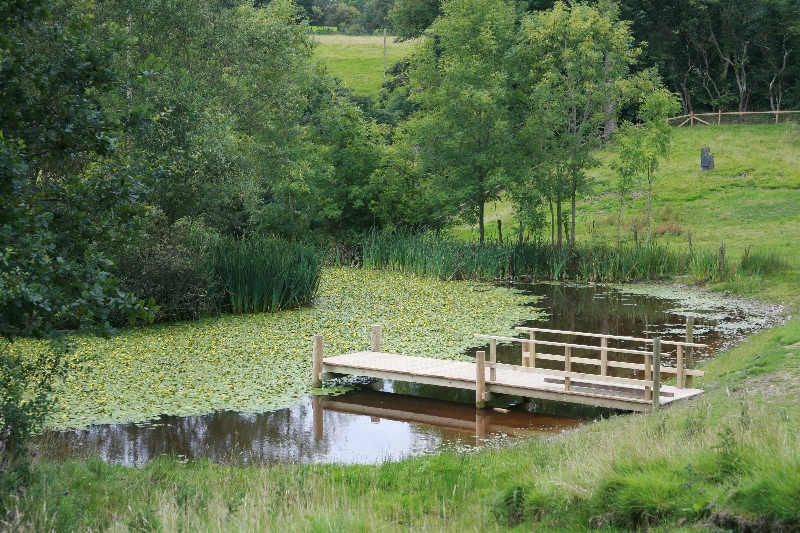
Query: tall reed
{"points": [[428, 254], [265, 275]]}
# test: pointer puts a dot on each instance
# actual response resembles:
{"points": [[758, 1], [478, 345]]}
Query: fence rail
{"points": [[735, 117]]}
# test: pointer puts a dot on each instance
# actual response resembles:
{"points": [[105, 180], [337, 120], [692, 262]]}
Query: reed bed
{"points": [[428, 254], [264, 275]]}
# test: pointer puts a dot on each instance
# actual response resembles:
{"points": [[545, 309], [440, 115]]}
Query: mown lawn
{"points": [[358, 60]]}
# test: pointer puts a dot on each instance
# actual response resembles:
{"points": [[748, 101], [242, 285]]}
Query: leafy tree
{"points": [[643, 145], [412, 17], [459, 79], [571, 60]]}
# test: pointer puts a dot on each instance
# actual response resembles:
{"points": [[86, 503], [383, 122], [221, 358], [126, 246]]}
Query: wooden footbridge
{"points": [[615, 385]]}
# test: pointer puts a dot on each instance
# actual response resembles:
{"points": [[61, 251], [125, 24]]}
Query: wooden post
{"points": [[532, 362], [316, 406], [719, 116], [567, 366], [481, 423], [480, 379], [691, 118], [648, 375], [679, 364], [722, 258], [493, 359], [384, 54], [375, 338], [316, 367], [603, 356], [656, 373], [690, 350]]}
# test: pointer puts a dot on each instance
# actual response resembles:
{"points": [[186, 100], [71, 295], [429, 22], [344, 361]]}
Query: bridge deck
{"points": [[460, 374]]}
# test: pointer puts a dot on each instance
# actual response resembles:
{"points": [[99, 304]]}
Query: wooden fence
{"points": [[746, 117]]}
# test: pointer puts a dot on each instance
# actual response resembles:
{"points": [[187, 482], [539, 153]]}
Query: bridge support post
{"points": [[375, 338], [480, 379], [316, 366], [656, 373], [690, 351], [604, 356]]}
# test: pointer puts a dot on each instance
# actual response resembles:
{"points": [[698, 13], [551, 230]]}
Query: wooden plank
{"points": [[618, 364], [576, 375], [375, 338], [601, 386], [606, 336], [562, 344], [573, 397]]}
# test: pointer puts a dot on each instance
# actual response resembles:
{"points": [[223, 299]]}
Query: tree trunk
{"points": [[619, 221], [552, 223], [499, 231], [574, 195], [292, 217], [649, 198], [558, 220], [480, 220]]}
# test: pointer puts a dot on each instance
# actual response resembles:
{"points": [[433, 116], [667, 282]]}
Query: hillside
{"points": [[750, 199], [358, 60]]}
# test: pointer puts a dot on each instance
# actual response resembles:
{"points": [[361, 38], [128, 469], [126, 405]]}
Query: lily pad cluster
{"points": [[261, 362]]}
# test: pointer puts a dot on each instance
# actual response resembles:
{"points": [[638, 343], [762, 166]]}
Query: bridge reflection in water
{"points": [[362, 426]]}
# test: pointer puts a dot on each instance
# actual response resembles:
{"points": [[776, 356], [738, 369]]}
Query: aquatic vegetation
{"points": [[260, 362], [265, 275]]}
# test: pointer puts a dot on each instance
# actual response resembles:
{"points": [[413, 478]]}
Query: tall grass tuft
{"points": [[428, 254], [263, 275], [761, 262]]}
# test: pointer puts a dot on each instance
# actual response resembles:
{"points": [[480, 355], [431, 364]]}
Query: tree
{"points": [[459, 79], [643, 145], [571, 60]]}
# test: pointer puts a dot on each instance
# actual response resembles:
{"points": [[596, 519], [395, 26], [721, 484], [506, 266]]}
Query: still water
{"points": [[380, 420]]}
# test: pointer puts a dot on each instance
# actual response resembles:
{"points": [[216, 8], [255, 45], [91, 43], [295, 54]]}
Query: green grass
{"points": [[729, 456], [358, 60], [748, 202]]}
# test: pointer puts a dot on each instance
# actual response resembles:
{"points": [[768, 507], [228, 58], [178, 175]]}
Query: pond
{"points": [[376, 420]]}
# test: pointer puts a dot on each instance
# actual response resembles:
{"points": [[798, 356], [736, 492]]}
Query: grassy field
{"points": [[358, 60]]}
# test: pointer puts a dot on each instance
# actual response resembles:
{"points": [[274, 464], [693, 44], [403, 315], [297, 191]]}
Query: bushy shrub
{"points": [[168, 264], [26, 385]]}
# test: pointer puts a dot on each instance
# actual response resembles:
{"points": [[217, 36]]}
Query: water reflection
{"points": [[362, 426]]}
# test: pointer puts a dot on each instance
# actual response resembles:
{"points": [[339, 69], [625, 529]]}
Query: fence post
{"points": [[656, 373], [375, 338], [691, 118], [316, 367], [690, 350], [567, 366], [679, 364], [719, 116], [603, 357], [480, 379]]}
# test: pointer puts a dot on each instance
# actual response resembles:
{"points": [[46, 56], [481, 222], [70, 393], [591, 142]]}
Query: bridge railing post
{"points": [[375, 338], [480, 379], [690, 350], [316, 366], [604, 356], [532, 360], [648, 374], [679, 365], [656, 373], [493, 359], [567, 366]]}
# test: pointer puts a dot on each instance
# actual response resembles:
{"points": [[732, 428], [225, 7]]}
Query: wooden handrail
{"points": [[616, 337], [563, 344], [576, 375], [618, 364]]}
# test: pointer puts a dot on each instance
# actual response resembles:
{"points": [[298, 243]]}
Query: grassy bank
{"points": [[358, 60], [729, 457]]}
